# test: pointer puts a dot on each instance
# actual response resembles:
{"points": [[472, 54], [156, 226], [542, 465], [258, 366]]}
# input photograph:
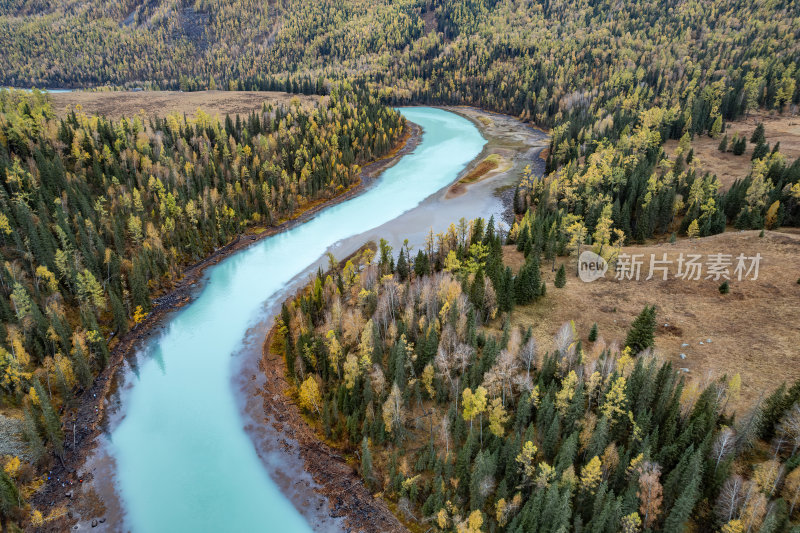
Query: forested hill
{"points": [[543, 60]]}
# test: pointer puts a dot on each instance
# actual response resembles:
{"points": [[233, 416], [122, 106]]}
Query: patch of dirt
{"points": [[728, 167], [116, 104], [753, 330], [484, 167], [11, 442], [429, 19]]}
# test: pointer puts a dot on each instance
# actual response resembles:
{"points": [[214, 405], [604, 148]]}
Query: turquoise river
{"points": [[183, 459]]}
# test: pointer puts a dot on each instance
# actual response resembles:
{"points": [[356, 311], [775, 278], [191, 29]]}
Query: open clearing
{"points": [[729, 167], [754, 330], [115, 104]]}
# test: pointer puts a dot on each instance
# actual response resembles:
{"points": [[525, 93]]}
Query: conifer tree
{"points": [[366, 462], [641, 334], [688, 496], [593, 333], [402, 266], [758, 136], [10, 498], [52, 423], [561, 278], [724, 288], [723, 144]]}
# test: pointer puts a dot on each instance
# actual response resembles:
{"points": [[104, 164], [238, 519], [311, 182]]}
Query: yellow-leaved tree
{"points": [[791, 489], [497, 417], [734, 526], [428, 374], [616, 402], [567, 392], [631, 523], [334, 350], [525, 459], [310, 398], [474, 403], [693, 230], [591, 475], [472, 524], [351, 370]]}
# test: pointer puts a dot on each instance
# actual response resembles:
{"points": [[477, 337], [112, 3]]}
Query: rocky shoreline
{"points": [[338, 481]]}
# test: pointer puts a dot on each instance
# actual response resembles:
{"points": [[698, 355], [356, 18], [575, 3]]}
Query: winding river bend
{"points": [[183, 460]]}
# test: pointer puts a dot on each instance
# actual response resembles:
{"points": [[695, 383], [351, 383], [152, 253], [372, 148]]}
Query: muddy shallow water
{"points": [[191, 450]]}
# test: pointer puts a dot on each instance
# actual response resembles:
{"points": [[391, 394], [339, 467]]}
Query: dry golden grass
{"points": [[729, 167], [513, 258], [115, 104], [755, 329]]}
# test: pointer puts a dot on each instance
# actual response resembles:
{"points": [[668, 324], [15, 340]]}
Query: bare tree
{"points": [[730, 498], [564, 343], [527, 355], [723, 446], [451, 366], [503, 372], [789, 428]]}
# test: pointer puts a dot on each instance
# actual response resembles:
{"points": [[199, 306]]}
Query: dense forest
{"points": [[469, 425], [97, 217], [586, 63], [613, 80]]}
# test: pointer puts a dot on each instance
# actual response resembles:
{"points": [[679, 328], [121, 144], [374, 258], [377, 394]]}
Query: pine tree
{"points": [[593, 333], [366, 463], [758, 136], [774, 407], [421, 266], [761, 150], [688, 495], [724, 288], [10, 498], [52, 423], [482, 475], [641, 334], [402, 266], [30, 433], [477, 290], [561, 278], [739, 145], [723, 144], [527, 284]]}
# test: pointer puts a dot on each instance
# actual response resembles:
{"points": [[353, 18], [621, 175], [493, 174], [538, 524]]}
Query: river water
{"points": [[183, 459]]}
